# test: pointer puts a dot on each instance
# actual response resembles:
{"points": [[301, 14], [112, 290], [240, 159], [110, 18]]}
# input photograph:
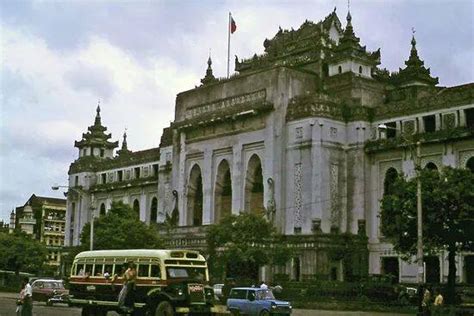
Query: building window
{"points": [[84, 152], [103, 178], [154, 210], [470, 164], [469, 113], [76, 181], [431, 166], [102, 153], [430, 123], [391, 129], [360, 70], [339, 69], [137, 172], [120, 175], [136, 207], [102, 209], [155, 170]]}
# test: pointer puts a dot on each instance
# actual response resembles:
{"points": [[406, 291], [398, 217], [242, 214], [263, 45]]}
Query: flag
{"points": [[233, 26]]}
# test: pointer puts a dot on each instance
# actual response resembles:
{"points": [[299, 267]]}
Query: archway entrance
{"points": [[223, 192], [254, 186], [195, 197]]}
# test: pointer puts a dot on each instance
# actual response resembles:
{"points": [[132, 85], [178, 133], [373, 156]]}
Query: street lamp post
{"points": [[419, 208], [80, 192]]}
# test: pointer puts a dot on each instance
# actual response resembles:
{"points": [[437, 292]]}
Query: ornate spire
{"points": [[124, 150], [95, 137], [415, 73], [97, 116], [209, 78]]}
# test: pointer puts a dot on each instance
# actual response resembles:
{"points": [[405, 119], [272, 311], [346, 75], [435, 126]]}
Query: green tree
{"points": [[20, 252], [238, 245], [121, 228], [448, 215]]}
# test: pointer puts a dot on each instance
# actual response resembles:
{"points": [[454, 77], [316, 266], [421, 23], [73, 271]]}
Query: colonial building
{"points": [[294, 136], [43, 218]]}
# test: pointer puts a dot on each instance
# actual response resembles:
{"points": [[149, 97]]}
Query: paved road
{"points": [[7, 308]]}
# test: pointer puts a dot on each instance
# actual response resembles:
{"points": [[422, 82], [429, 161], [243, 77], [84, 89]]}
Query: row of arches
{"points": [[136, 209], [223, 191], [391, 175]]}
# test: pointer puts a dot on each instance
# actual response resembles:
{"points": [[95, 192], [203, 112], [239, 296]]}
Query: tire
{"points": [[235, 312], [264, 313], [164, 309], [49, 303]]}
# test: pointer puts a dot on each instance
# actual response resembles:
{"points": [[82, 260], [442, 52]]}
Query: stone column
{"points": [[238, 177], [207, 187]]}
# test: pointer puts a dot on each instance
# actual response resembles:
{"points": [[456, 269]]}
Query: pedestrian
{"points": [[21, 297], [263, 285], [27, 306], [426, 303], [126, 297], [438, 303]]}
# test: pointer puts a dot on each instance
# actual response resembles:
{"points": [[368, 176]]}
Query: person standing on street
{"points": [[27, 306], [438, 303]]}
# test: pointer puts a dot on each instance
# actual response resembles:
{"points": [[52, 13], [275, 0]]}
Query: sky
{"points": [[59, 58]]}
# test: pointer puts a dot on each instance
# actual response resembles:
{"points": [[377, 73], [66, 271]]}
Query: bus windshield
{"points": [[186, 273]]}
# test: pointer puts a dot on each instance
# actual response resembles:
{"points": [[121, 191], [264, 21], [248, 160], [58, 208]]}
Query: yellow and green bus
{"points": [[168, 282]]}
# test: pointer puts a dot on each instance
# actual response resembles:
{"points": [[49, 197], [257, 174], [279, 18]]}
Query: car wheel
{"points": [[264, 313], [235, 312], [86, 311], [49, 303], [164, 309]]}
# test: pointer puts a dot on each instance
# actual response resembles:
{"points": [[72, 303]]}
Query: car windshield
{"points": [[265, 295], [53, 285], [186, 273]]}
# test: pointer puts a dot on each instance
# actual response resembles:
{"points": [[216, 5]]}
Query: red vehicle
{"points": [[49, 291]]}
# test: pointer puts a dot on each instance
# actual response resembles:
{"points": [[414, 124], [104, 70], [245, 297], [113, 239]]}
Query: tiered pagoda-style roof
{"points": [[294, 47], [350, 48], [415, 73], [96, 136]]}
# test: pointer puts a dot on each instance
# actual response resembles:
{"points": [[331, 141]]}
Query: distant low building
{"points": [[44, 218]]}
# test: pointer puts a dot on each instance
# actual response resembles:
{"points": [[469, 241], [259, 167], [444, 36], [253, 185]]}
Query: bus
{"points": [[169, 282]]}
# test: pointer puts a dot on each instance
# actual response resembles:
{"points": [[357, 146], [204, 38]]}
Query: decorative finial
{"points": [[334, 11], [413, 40], [97, 117]]}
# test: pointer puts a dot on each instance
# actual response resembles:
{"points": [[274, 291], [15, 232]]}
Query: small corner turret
{"points": [[209, 78], [124, 151], [415, 73], [350, 56], [95, 143]]}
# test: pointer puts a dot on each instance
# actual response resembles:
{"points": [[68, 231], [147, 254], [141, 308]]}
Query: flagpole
{"points": [[228, 45]]}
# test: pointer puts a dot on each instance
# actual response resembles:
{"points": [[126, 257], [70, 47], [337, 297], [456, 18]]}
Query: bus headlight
{"points": [[180, 292]]}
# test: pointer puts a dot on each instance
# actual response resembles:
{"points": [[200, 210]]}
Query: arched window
{"points": [[102, 209], [222, 192], [339, 69], [388, 188], [360, 70], [431, 166], [154, 210], [136, 207], [254, 186], [470, 164], [195, 197]]}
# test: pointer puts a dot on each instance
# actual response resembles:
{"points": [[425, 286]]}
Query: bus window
{"points": [[80, 269], [155, 271], [143, 270], [108, 268], [98, 269], [88, 269]]}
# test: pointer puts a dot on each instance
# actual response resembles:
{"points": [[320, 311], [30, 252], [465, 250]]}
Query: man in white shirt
{"points": [[27, 308], [263, 285]]}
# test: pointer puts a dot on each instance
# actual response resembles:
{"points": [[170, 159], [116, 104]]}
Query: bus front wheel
{"points": [[164, 309]]}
